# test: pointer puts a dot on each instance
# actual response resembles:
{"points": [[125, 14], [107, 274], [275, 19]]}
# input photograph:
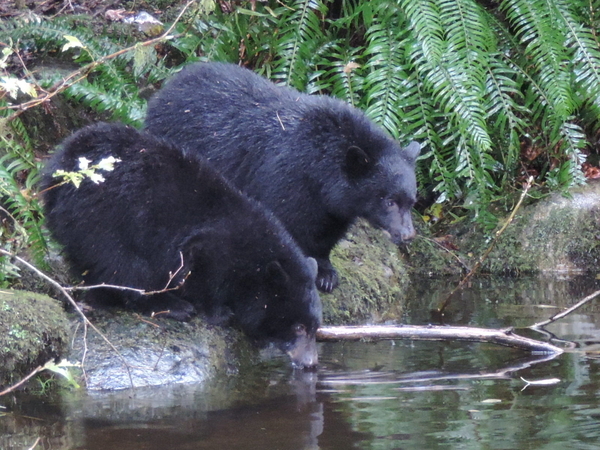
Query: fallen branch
{"points": [[505, 337]]}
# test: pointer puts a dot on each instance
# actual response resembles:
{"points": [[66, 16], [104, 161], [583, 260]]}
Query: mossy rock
{"points": [[34, 329], [373, 279], [156, 352], [560, 234]]}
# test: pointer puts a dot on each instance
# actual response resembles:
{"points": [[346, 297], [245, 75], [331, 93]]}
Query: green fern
{"points": [[112, 87], [19, 174], [472, 81], [387, 73], [585, 53], [337, 72], [301, 34], [505, 111]]}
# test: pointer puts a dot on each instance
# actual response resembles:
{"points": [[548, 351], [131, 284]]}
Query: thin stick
{"points": [[78, 75], [566, 312], [74, 304], [21, 382], [477, 265]]}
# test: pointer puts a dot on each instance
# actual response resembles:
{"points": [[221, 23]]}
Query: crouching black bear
{"points": [[315, 161], [162, 222]]}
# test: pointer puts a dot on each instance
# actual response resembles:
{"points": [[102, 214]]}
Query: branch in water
{"points": [[504, 337]]}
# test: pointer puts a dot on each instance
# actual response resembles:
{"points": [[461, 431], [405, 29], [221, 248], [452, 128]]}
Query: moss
{"points": [[373, 278], [33, 330], [557, 234]]}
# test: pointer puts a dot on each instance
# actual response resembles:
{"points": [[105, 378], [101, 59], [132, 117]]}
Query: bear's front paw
{"points": [[172, 307], [327, 279], [181, 314]]}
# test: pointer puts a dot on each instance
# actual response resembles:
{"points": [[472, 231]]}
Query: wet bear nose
{"points": [[408, 236], [304, 353]]}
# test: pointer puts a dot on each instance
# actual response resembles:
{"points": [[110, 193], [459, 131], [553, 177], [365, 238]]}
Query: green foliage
{"points": [[477, 83], [473, 83], [21, 227], [113, 86]]}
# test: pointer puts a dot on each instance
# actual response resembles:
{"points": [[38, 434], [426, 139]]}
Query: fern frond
{"points": [[536, 28], [425, 21], [339, 74], [504, 109], [466, 28], [585, 50], [300, 34], [21, 202], [386, 73], [562, 133], [123, 106]]}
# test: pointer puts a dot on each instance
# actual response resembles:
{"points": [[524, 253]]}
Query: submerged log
{"points": [[505, 337]]}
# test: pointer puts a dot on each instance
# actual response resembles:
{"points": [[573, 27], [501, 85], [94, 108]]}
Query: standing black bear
{"points": [[315, 161], [160, 220]]}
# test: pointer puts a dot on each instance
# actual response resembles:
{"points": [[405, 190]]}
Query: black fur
{"points": [[160, 213], [315, 161]]}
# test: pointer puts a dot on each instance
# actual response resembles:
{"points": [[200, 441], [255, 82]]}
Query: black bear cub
{"points": [[315, 161], [163, 222]]}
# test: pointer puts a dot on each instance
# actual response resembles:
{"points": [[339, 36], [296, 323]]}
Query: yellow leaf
{"points": [[72, 42]]}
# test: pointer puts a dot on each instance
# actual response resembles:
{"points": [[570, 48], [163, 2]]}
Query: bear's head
{"points": [[391, 186], [363, 172], [284, 308]]}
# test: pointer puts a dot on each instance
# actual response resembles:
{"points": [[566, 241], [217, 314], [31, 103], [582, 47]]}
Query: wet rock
{"points": [[154, 352], [558, 235]]}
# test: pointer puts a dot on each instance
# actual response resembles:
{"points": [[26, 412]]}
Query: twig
{"points": [[279, 119], [477, 265], [37, 441], [21, 382], [73, 303], [504, 337], [78, 75], [566, 312], [460, 261]]}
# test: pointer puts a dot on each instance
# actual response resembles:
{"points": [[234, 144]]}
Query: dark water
{"points": [[388, 395]]}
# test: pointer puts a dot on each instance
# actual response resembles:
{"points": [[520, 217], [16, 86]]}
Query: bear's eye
{"points": [[390, 203], [299, 329]]}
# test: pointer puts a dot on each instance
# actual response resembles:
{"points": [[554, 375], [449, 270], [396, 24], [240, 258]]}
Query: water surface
{"points": [[387, 395]]}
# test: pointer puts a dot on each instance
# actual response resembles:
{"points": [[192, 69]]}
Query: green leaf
{"points": [[63, 368]]}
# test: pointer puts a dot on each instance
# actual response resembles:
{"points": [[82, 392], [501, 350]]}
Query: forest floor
{"points": [[51, 8]]}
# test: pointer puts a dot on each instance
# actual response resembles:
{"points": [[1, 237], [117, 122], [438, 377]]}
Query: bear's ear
{"points": [[276, 275], [357, 162], [412, 150]]}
